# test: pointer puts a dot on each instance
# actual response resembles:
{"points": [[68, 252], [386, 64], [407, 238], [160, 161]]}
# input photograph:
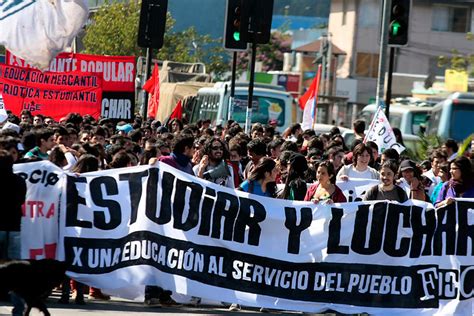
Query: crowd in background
{"points": [[295, 165]]}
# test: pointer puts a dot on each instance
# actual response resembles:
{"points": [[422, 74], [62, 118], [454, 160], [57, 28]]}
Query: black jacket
{"points": [[12, 197]]}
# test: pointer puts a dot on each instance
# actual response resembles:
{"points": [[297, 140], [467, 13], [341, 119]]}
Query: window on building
{"points": [[367, 65], [450, 19]]}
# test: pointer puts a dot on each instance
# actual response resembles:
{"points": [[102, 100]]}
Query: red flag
{"points": [[311, 92], [178, 111], [309, 101], [152, 86]]}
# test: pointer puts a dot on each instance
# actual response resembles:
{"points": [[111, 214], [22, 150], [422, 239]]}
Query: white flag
{"points": [[3, 112], [37, 30], [381, 133]]}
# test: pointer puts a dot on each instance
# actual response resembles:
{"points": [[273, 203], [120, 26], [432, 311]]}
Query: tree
{"points": [[271, 54], [114, 31], [2, 50], [457, 60]]}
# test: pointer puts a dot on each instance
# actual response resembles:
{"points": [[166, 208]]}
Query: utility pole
{"points": [[330, 81], [387, 4]]}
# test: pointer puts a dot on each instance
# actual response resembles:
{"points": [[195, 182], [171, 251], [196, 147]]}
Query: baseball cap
{"points": [[127, 128]]}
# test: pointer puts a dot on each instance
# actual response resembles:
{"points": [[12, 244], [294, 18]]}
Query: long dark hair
{"points": [[265, 164], [464, 165], [86, 163], [295, 180], [330, 169]]}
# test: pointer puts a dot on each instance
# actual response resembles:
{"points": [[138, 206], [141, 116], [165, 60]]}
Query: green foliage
{"points": [[271, 54], [2, 50], [427, 144], [458, 61], [114, 30]]}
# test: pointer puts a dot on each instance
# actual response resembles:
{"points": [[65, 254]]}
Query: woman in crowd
{"points": [[461, 183], [410, 180], [295, 184], [325, 189], [387, 189], [261, 180], [362, 155]]}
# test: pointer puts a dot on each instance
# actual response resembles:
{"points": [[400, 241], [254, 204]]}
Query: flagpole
{"points": [[149, 52], [316, 92]]}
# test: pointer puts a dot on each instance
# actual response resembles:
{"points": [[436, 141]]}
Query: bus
{"points": [[270, 102], [408, 118], [452, 118]]}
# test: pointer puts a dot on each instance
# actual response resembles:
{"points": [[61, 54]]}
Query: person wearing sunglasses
{"points": [[213, 165]]}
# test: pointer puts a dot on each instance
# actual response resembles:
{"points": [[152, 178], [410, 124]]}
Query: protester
{"points": [[451, 148], [295, 184], [44, 143], [387, 189], [256, 150], [359, 129], [261, 180], [461, 183], [411, 181], [325, 190], [213, 165], [437, 158], [12, 195], [444, 176], [362, 155]]}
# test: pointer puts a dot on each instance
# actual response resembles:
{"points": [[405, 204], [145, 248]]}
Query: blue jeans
{"points": [[10, 248], [10, 245]]}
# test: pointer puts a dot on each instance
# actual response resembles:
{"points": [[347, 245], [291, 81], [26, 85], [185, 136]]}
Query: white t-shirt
{"points": [[351, 172]]}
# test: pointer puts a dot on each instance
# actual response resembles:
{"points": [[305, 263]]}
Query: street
{"points": [[118, 306]]}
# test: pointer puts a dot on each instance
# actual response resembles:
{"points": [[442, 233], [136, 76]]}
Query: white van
{"points": [[269, 102], [453, 117], [408, 118]]}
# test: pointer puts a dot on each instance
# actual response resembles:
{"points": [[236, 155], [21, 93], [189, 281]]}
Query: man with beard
{"points": [[213, 166]]}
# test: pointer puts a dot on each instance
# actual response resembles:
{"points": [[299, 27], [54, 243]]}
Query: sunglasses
{"points": [[217, 148]]}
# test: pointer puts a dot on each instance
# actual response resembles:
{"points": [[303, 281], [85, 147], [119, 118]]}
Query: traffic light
{"points": [[151, 28], [256, 21], [399, 18], [232, 38]]}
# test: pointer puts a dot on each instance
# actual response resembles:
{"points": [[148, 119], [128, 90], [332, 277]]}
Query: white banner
{"points": [[37, 30], [381, 133], [355, 189], [39, 224], [129, 227]]}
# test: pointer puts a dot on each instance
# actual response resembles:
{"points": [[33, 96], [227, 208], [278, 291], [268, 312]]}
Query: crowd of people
{"points": [[294, 165]]}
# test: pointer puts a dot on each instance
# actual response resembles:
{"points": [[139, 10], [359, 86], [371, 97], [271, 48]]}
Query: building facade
{"points": [[436, 27]]}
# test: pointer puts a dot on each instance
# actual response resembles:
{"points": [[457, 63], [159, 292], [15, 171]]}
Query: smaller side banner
{"points": [[51, 94], [39, 224]]}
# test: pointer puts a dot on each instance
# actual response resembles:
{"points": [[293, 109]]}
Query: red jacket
{"points": [[336, 197]]}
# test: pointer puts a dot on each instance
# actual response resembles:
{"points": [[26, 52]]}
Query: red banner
{"points": [[51, 94], [118, 72], [118, 77]]}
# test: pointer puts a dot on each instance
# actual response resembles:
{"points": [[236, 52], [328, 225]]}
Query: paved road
{"points": [[118, 306]]}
